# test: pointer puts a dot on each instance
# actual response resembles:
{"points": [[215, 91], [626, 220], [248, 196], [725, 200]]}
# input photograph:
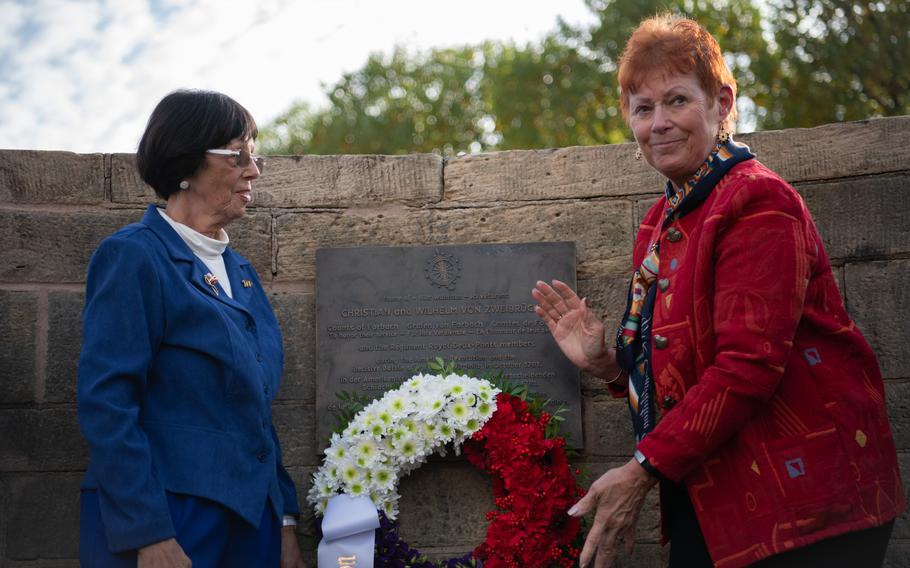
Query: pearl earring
{"points": [[184, 185]]}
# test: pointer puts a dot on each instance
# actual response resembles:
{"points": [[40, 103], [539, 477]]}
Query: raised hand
{"points": [[577, 331]]}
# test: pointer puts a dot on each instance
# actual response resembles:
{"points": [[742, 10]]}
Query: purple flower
{"points": [[393, 552]]}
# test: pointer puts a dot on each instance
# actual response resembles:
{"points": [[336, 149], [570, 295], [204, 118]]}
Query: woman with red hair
{"points": [[756, 403]]}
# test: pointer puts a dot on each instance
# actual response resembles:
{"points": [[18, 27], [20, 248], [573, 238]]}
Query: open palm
{"points": [[578, 332]]}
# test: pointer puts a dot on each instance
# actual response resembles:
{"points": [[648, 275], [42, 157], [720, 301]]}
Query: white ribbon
{"points": [[348, 533]]}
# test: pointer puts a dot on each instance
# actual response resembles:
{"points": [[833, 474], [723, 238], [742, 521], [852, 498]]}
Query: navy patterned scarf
{"points": [[633, 339]]}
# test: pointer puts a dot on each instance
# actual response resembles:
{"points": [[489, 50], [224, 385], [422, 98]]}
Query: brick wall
{"points": [[55, 207]]}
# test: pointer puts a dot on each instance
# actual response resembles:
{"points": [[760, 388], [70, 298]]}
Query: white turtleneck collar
{"points": [[208, 250]]}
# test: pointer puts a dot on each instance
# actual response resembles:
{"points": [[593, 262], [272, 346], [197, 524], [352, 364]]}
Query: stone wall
{"points": [[55, 207]]}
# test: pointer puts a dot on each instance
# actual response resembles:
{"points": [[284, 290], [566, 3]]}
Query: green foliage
{"points": [[350, 403], [839, 61], [393, 105], [797, 63], [439, 366]]}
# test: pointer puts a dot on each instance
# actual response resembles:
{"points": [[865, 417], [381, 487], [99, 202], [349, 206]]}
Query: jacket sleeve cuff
{"points": [[150, 532], [646, 465]]}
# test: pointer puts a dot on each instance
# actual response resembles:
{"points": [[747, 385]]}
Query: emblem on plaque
{"points": [[442, 269]]}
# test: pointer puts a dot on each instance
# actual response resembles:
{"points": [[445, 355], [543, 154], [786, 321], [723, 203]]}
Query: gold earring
{"points": [[638, 153], [723, 135]]}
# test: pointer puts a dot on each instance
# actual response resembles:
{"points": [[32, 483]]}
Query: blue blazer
{"points": [[176, 382]]}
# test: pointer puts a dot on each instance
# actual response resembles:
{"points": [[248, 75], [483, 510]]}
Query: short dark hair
{"points": [[182, 127]]}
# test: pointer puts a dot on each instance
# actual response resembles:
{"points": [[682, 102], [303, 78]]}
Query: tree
{"points": [[809, 62], [839, 61], [403, 103], [469, 99]]}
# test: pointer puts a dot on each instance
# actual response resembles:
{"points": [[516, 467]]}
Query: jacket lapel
{"points": [[196, 271], [240, 271]]}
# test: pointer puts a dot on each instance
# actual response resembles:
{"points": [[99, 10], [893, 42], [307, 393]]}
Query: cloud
{"points": [[84, 75]]}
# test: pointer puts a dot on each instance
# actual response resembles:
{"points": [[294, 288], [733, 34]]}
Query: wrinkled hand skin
{"points": [[290, 551], [616, 498], [169, 554], [164, 554], [576, 329]]}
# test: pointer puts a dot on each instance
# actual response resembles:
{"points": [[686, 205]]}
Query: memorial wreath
{"points": [[502, 430]]}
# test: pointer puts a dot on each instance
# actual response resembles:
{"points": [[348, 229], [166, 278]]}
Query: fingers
{"points": [[585, 504], [546, 308], [628, 539], [557, 299], [601, 546], [592, 545], [606, 553], [566, 293]]}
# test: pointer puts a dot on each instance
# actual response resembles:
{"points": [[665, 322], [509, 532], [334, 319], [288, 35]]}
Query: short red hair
{"points": [[668, 44]]}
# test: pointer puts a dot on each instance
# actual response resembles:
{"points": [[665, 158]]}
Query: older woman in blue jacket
{"points": [[181, 359]]}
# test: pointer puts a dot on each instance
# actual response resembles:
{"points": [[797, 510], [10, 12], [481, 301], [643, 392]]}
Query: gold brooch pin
{"points": [[247, 283], [212, 281]]}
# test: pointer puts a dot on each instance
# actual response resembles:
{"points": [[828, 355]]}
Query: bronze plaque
{"points": [[383, 312]]}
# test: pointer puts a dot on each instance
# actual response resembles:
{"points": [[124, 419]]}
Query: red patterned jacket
{"points": [[772, 401]]}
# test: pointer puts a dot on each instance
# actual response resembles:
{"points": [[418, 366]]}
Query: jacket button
{"points": [[668, 402], [261, 456], [259, 357], [663, 284], [673, 234], [661, 342]]}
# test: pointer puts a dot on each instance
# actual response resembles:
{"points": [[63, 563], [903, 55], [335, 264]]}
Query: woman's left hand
{"points": [[578, 332], [290, 550], [618, 496]]}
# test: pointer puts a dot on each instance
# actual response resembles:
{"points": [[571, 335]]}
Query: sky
{"points": [[84, 75]]}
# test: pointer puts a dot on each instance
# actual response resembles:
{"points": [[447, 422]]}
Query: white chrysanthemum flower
{"points": [[352, 430], [430, 405], [337, 452], [399, 405], [350, 473], [387, 447], [323, 488], [366, 419], [356, 488], [390, 508], [383, 478], [407, 447], [399, 432], [415, 383], [409, 425], [367, 449], [485, 410], [445, 433], [458, 412]]}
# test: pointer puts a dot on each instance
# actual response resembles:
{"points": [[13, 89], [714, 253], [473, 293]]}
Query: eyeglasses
{"points": [[241, 157]]}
